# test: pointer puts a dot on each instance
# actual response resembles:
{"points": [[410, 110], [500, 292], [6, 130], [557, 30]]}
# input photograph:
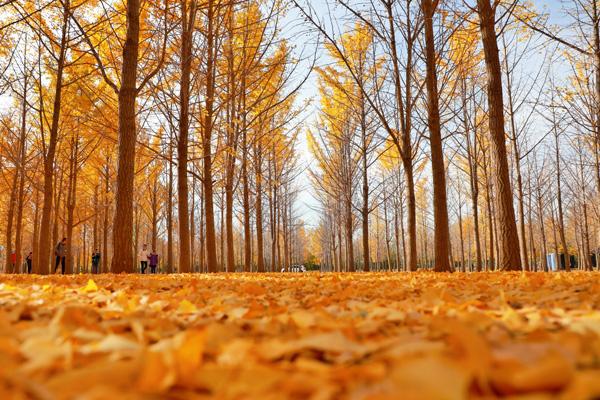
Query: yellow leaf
{"points": [[186, 307], [90, 287]]}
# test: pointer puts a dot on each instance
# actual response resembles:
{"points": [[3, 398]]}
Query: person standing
{"points": [[29, 261], [61, 255], [153, 261], [143, 257], [95, 262]]}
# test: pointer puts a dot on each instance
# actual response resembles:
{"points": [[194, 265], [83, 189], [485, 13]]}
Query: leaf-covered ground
{"points": [[301, 336]]}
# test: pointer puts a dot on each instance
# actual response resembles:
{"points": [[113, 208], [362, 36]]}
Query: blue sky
{"points": [[306, 202]]}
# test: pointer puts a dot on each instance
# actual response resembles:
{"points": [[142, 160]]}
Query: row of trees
{"points": [[454, 135], [450, 134], [167, 123]]}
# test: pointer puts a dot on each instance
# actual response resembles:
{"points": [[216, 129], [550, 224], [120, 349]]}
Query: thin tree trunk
{"points": [[561, 220], [211, 248], [22, 176], [473, 178], [71, 201], [260, 262], [9, 224], [170, 257], [43, 264], [187, 23], [440, 203], [104, 257]]}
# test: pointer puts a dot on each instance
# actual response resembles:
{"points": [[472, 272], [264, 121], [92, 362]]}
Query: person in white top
{"points": [[143, 257]]}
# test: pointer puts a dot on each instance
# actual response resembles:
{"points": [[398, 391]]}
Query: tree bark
{"points": [[561, 220], [440, 203], [43, 264], [187, 23], [211, 248], [123, 260], [508, 240]]}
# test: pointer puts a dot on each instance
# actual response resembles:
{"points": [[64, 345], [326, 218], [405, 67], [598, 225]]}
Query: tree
{"points": [[508, 240]]}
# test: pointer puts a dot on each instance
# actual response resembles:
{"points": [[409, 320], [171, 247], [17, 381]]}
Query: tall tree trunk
{"points": [[22, 175], [95, 222], [10, 217], [260, 262], [440, 203], [58, 189], [540, 210], [154, 212], [596, 47], [411, 207], [517, 159], [365, 182], [507, 238], [106, 207], [491, 264], [43, 266], [170, 257], [35, 239], [561, 220], [187, 24], [246, 200], [211, 243], [71, 201], [404, 144], [123, 260], [473, 176], [349, 235], [193, 227]]}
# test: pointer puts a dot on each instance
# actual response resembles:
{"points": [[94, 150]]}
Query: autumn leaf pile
{"points": [[301, 336]]}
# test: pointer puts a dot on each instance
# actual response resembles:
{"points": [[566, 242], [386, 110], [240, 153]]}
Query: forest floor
{"points": [[301, 336]]}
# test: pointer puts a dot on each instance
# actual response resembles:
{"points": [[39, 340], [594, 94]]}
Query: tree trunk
{"points": [[71, 201], [43, 264], [104, 257], [123, 260], [187, 23], [473, 177], [440, 203], [211, 248], [508, 240], [169, 268], [517, 160], [411, 261], [260, 262], [561, 220], [22, 176], [10, 217]]}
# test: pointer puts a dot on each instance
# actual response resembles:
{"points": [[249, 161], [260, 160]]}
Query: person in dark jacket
{"points": [[29, 260], [95, 262], [61, 255], [153, 258]]}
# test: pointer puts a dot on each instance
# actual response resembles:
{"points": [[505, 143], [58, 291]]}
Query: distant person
{"points": [[13, 261], [61, 255], [95, 262], [143, 257], [29, 260], [153, 257]]}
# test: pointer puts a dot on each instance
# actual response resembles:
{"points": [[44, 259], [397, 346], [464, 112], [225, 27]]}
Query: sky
{"points": [[307, 206]]}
